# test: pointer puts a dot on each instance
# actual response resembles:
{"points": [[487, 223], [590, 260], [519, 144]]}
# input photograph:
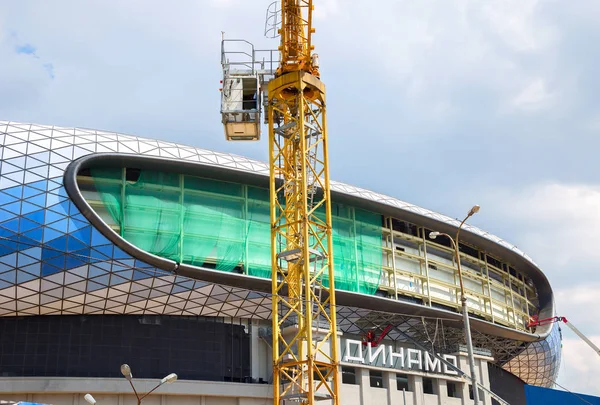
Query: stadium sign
{"points": [[402, 358]]}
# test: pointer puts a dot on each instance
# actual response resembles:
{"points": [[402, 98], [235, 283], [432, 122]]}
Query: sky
{"points": [[443, 104]]}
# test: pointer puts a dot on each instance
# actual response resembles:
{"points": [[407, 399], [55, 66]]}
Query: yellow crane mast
{"points": [[305, 346]]}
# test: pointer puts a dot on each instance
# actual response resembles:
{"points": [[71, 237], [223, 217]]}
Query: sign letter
{"points": [[432, 363], [416, 361], [450, 359], [399, 356], [348, 356]]}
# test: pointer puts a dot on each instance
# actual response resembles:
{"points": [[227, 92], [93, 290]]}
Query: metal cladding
{"points": [[54, 261]]}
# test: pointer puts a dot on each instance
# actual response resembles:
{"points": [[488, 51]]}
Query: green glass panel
{"points": [[224, 225]]}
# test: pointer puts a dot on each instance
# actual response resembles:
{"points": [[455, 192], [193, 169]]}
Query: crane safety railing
{"points": [[241, 55]]}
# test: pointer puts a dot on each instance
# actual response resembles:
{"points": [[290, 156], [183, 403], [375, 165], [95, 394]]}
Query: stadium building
{"points": [[118, 249]]}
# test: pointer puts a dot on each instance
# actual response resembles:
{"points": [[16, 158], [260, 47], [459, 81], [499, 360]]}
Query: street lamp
{"points": [[463, 300], [126, 371]]}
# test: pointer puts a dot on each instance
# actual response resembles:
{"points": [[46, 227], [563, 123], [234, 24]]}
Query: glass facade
{"points": [[54, 262], [222, 225]]}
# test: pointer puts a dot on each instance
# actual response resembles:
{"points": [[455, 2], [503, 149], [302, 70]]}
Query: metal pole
{"points": [[404, 395], [465, 314]]}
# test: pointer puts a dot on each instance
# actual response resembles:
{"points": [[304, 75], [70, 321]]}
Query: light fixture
{"points": [[171, 378], [433, 235], [474, 210], [89, 399], [126, 371]]}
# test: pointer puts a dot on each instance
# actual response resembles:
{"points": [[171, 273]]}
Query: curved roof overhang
{"points": [[256, 173]]}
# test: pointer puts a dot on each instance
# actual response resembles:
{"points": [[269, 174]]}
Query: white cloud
{"points": [[579, 371], [534, 97]]}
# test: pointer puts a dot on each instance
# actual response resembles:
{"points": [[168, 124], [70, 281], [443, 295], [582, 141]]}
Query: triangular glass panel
{"points": [[42, 156], [95, 271], [24, 260], [58, 262], [35, 234], [35, 268], [36, 174], [54, 172], [10, 153], [61, 225], [92, 286], [106, 250], [9, 260], [23, 277], [29, 191], [16, 192], [66, 152], [27, 225], [26, 207], [17, 177], [15, 161], [73, 262], [73, 244], [31, 163], [9, 277], [34, 252], [84, 234], [50, 234], [36, 216], [5, 183], [12, 225], [99, 239], [52, 216]]}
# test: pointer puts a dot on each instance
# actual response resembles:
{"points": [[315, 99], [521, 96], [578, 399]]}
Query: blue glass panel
{"points": [[35, 235], [80, 217], [73, 262], [35, 268], [7, 248], [128, 274], [57, 203], [7, 199], [63, 193], [95, 272], [57, 261], [39, 200], [96, 256], [4, 284], [23, 277], [27, 207], [35, 252], [104, 265], [73, 244], [115, 280], [4, 268], [142, 265], [98, 238], [17, 161], [105, 249], [178, 288], [4, 215], [40, 185], [84, 235], [12, 225], [74, 210], [104, 279], [52, 216], [10, 260], [59, 245], [37, 216], [14, 208], [119, 254], [53, 185], [24, 260], [139, 275], [50, 234], [75, 225], [49, 253], [10, 276], [129, 263], [29, 192], [91, 286], [48, 269], [60, 225], [27, 225], [16, 191], [188, 285]]}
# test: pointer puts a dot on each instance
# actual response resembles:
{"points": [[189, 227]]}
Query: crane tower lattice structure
{"points": [[305, 348], [305, 345]]}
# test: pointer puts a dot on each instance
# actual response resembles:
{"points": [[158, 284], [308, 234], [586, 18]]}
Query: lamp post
{"points": [[126, 371], [463, 300]]}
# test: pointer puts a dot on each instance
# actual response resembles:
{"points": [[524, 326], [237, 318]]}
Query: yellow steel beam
{"points": [[305, 346]]}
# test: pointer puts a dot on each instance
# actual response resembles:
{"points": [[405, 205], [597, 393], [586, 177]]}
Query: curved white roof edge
{"points": [[89, 141]]}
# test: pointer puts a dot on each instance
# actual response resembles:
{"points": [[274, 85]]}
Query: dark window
{"points": [[471, 393], [402, 382], [453, 391], [348, 375], [376, 378], [428, 386]]}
